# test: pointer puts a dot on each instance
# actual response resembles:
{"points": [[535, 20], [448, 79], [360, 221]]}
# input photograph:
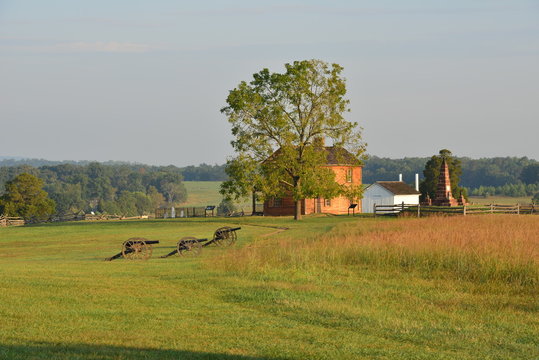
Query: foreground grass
{"points": [[483, 249], [60, 301]]}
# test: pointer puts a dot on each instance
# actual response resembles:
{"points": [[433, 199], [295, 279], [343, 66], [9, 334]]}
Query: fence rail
{"points": [[422, 210], [6, 221]]}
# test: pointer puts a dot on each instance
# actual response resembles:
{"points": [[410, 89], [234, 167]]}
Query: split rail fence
{"points": [[423, 210], [10, 221]]}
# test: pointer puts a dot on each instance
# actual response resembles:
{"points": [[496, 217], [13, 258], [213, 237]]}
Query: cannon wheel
{"points": [[224, 237], [189, 248], [136, 249]]}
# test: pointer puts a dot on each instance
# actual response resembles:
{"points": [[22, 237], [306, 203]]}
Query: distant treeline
{"points": [[487, 172], [123, 189], [72, 184]]}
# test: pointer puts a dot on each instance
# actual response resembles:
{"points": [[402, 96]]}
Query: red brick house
{"points": [[348, 171]]}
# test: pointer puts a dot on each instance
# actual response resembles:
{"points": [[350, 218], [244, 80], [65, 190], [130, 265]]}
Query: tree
{"points": [[530, 174], [25, 197], [432, 172], [280, 122], [156, 198]]}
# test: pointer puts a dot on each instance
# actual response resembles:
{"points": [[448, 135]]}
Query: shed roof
{"points": [[398, 187]]}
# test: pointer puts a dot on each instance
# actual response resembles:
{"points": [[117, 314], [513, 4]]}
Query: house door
{"points": [[318, 206]]}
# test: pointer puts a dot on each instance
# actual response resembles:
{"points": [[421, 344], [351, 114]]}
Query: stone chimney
{"points": [[416, 182], [400, 177]]}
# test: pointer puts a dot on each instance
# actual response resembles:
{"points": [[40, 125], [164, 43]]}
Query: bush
{"points": [[226, 207]]}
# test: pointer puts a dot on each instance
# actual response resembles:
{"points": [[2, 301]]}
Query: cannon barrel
{"points": [[148, 242], [192, 241]]}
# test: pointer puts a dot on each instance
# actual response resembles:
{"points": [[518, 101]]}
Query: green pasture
{"points": [[203, 193], [500, 200], [60, 300]]}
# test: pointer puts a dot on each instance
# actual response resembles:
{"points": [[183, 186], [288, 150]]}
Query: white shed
{"points": [[388, 193]]}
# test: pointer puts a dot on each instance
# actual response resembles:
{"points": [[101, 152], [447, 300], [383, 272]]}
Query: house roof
{"points": [[334, 156], [340, 156], [398, 187]]}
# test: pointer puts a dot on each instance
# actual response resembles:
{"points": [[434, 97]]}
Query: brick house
{"points": [[348, 171]]}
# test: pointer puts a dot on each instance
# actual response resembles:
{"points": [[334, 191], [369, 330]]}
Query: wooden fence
{"points": [[423, 210], [11, 221], [196, 211]]}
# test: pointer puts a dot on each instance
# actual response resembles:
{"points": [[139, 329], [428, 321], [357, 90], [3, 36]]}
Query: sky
{"points": [[143, 81]]}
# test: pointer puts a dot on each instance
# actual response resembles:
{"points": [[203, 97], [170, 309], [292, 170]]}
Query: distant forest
{"points": [[132, 188]]}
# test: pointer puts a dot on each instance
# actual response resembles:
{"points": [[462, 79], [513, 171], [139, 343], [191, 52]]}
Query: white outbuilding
{"points": [[389, 193]]}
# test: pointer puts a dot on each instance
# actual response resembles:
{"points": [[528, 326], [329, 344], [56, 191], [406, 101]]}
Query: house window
{"points": [[349, 175], [276, 202], [327, 202]]}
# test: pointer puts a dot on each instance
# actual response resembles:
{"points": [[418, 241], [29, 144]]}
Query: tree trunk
{"points": [[254, 202], [297, 214]]}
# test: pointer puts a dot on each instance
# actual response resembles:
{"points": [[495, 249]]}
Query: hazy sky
{"points": [[144, 80]]}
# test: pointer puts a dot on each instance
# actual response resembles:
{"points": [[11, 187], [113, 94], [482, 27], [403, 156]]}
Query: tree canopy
{"points": [[432, 172], [530, 174], [280, 122], [24, 197]]}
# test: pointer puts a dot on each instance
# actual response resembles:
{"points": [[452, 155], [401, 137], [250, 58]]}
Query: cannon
{"points": [[136, 248], [141, 248], [224, 236], [191, 246]]}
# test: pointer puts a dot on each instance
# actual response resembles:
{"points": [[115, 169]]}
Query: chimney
{"points": [[400, 177], [416, 182]]}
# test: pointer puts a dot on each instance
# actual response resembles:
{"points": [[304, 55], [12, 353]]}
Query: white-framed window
{"points": [[349, 173], [327, 202]]}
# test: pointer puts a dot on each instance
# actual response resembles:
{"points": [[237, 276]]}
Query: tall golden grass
{"points": [[489, 248]]}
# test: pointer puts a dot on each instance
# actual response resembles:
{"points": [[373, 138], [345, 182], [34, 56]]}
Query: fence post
{"points": [[418, 210], [374, 209], [464, 210], [518, 209], [492, 208], [402, 208]]}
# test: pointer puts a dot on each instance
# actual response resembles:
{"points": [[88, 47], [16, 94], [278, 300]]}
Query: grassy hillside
{"points": [[328, 288], [202, 193]]}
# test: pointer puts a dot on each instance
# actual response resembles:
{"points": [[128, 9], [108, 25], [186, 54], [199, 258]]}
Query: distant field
{"points": [[501, 200], [202, 193], [328, 288]]}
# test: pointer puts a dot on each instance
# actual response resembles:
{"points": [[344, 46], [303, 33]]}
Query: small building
{"points": [[389, 193], [348, 171]]}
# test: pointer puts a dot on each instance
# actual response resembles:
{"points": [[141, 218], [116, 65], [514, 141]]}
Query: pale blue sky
{"points": [[144, 80]]}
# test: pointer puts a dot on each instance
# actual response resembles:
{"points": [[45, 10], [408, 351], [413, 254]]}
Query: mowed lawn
{"points": [[60, 300]]}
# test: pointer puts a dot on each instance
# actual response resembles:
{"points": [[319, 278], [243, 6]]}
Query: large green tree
{"points": [[530, 174], [24, 196], [280, 122], [432, 172]]}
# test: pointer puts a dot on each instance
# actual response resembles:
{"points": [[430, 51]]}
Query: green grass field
{"points": [[202, 193], [500, 200], [60, 300]]}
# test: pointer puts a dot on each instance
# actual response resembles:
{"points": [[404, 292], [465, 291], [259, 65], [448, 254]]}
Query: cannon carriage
{"points": [[139, 248], [190, 246]]}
